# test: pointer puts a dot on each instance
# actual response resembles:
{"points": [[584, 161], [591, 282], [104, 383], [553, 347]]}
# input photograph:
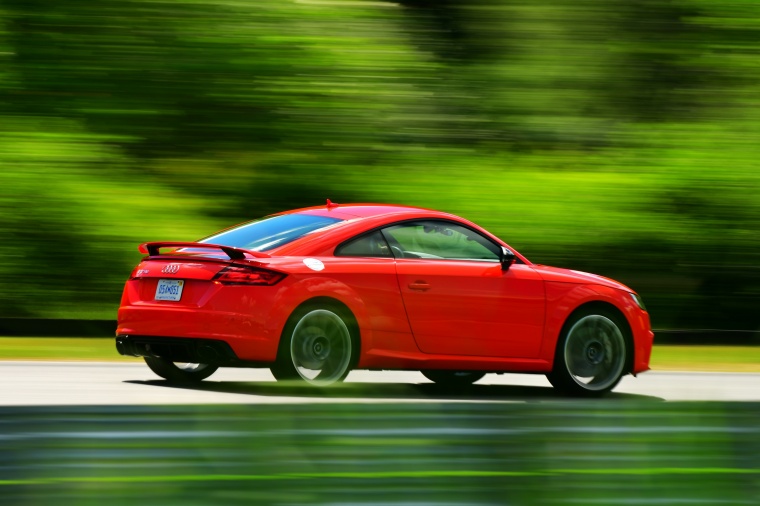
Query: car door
{"points": [[458, 299]]}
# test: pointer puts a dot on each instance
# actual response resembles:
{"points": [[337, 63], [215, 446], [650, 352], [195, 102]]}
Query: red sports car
{"points": [[314, 293]]}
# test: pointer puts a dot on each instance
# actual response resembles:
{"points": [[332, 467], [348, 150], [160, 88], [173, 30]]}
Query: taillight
{"points": [[237, 275], [138, 272]]}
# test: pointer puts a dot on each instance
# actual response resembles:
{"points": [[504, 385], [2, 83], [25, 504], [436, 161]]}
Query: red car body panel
{"points": [[411, 313], [498, 313]]}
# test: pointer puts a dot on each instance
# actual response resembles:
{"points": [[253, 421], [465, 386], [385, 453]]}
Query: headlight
{"points": [[638, 300]]}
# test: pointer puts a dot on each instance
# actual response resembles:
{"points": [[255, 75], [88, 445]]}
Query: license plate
{"points": [[169, 289]]}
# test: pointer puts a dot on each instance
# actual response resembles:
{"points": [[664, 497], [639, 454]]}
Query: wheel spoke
{"points": [[321, 347], [188, 367], [595, 352]]}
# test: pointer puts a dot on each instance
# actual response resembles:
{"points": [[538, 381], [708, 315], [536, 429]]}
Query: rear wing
{"points": [[153, 249]]}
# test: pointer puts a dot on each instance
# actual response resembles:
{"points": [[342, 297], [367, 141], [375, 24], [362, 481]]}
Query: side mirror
{"points": [[507, 258]]}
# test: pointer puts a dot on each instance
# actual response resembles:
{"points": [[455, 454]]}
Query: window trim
{"points": [[382, 228], [451, 222]]}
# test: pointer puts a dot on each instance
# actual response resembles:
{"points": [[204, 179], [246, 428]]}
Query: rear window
{"points": [[269, 233]]}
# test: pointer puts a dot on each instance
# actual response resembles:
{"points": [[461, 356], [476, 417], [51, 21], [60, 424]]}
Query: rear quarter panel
{"points": [[367, 286]]}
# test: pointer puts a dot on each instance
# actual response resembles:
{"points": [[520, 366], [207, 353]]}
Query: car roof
{"points": [[357, 218], [353, 211]]}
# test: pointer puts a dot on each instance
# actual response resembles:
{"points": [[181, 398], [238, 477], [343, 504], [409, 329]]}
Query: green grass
{"points": [[706, 358], [664, 358], [59, 348]]}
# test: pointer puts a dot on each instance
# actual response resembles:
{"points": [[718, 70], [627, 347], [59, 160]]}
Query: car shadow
{"points": [[400, 391]]}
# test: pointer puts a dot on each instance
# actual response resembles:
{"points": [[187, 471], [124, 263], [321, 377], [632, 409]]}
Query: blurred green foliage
{"points": [[625, 451], [616, 137]]}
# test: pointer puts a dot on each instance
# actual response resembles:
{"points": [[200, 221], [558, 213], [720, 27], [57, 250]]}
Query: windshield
{"points": [[271, 232]]}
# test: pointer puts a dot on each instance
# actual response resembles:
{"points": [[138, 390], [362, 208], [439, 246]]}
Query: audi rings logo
{"points": [[171, 269]]}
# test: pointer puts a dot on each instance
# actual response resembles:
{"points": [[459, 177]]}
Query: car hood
{"points": [[560, 275]]}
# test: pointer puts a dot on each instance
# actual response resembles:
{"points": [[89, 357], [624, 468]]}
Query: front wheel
{"points": [[591, 355], [179, 372], [453, 378], [317, 347]]}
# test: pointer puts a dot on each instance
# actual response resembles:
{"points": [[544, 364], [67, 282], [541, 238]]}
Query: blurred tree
{"points": [[658, 73], [579, 130]]}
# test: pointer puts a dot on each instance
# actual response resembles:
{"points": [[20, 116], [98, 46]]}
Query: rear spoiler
{"points": [[152, 249]]}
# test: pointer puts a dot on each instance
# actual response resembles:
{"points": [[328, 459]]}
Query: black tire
{"points": [[592, 354], [178, 372], [319, 346], [454, 379]]}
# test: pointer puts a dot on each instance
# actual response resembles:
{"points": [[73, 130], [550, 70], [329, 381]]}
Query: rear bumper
{"points": [[177, 349], [245, 336]]}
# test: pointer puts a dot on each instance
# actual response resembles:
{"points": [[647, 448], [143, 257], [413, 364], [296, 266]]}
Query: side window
{"points": [[368, 245], [440, 239]]}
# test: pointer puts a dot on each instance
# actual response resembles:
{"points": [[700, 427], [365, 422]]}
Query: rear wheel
{"points": [[591, 355], [318, 346], [453, 378], [179, 372]]}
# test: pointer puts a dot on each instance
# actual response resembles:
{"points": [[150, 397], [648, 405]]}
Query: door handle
{"points": [[419, 286]]}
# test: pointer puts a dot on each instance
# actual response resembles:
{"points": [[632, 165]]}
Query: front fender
{"points": [[562, 299]]}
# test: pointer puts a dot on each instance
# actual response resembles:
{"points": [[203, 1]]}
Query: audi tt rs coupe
{"points": [[313, 293]]}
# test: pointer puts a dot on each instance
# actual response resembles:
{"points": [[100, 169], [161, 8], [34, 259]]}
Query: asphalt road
{"points": [[104, 383]]}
